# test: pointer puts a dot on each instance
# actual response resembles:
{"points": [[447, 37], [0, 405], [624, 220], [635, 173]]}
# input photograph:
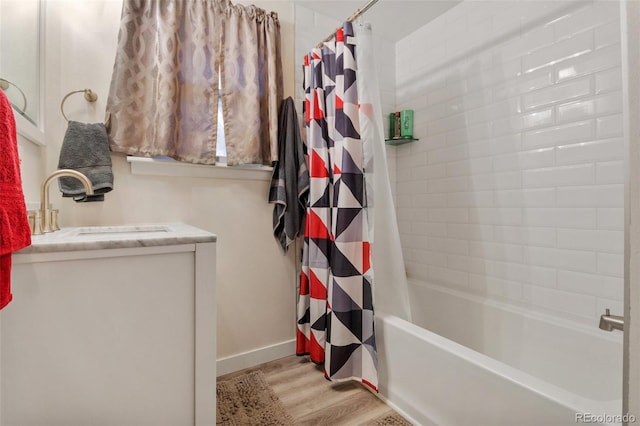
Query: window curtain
{"points": [[335, 305], [163, 98], [251, 84]]}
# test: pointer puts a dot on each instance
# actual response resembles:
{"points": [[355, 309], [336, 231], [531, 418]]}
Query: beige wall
{"points": [[256, 285]]}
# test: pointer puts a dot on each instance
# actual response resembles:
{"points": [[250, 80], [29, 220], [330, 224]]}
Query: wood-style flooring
{"points": [[312, 400]]}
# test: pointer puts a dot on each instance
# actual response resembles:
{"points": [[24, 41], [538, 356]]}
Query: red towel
{"points": [[14, 224]]}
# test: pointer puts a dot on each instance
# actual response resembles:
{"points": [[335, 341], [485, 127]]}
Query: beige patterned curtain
{"points": [[163, 98], [251, 84]]}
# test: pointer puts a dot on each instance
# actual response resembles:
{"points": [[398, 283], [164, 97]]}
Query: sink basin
{"points": [[118, 233], [115, 230]]}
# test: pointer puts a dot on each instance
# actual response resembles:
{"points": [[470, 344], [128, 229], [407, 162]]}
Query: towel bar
{"points": [[89, 95], [4, 85]]}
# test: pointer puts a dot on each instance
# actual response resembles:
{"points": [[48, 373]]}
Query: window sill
{"points": [[157, 167]]}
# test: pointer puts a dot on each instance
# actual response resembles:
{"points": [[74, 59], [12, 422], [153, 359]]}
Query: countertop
{"points": [[121, 236]]}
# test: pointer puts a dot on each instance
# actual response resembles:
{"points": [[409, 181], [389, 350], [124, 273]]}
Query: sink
{"points": [[118, 236], [115, 230], [117, 233]]}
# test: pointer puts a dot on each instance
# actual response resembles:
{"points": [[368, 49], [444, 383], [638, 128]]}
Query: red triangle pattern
{"points": [[304, 284], [318, 167], [316, 352], [339, 103], [317, 228], [318, 114], [310, 346], [318, 290], [302, 343], [307, 112], [366, 257]]}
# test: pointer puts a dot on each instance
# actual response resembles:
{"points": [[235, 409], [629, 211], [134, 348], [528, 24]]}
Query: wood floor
{"points": [[313, 400]]}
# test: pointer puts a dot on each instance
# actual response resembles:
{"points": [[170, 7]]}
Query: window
{"points": [[221, 146], [161, 101]]}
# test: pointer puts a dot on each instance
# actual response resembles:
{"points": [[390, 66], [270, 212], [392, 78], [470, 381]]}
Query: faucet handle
{"points": [[37, 228], [54, 220]]}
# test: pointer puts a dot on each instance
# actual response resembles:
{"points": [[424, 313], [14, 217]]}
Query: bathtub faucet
{"points": [[610, 322], [45, 219]]}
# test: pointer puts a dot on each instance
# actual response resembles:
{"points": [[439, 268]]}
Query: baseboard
{"points": [[397, 408], [255, 357]]}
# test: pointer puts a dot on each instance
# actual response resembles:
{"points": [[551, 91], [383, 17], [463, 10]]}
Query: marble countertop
{"points": [[122, 236]]}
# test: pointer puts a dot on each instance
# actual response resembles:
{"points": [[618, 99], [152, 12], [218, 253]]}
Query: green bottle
{"points": [[392, 125], [406, 120]]}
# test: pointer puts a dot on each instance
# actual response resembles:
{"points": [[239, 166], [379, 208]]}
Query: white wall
{"points": [[256, 289], [515, 189]]}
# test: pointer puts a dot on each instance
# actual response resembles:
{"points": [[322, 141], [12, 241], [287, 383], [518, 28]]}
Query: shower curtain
{"points": [[335, 305], [391, 294]]}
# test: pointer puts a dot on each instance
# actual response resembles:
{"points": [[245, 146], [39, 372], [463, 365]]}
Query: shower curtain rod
{"points": [[352, 18]]}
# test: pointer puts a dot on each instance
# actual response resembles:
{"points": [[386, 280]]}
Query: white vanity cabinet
{"points": [[111, 328]]}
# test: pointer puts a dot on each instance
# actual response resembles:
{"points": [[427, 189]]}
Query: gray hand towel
{"points": [[85, 148], [289, 188]]}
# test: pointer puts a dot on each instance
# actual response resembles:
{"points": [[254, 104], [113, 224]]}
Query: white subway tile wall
{"points": [[515, 189]]}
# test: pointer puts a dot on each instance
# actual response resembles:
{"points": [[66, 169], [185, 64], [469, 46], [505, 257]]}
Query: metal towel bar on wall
{"points": [[4, 85], [89, 95]]}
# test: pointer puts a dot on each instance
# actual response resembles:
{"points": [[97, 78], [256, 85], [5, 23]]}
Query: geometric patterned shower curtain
{"points": [[335, 305]]}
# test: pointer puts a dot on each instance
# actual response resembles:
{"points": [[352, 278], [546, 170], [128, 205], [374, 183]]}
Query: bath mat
{"points": [[249, 400], [394, 419]]}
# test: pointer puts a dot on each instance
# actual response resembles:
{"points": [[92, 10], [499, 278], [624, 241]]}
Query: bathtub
{"points": [[469, 362]]}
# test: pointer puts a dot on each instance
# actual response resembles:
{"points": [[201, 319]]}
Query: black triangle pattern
{"points": [[323, 245], [324, 200], [349, 165], [340, 356], [355, 183], [344, 219], [341, 266], [345, 126], [305, 318], [351, 320], [349, 78], [341, 301], [320, 323], [367, 293]]}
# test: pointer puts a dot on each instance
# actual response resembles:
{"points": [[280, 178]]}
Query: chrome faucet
{"points": [[610, 322], [45, 218]]}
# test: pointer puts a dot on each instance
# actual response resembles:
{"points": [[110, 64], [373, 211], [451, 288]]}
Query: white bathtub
{"points": [[480, 363]]}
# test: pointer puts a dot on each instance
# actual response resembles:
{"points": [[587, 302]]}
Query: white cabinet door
{"points": [[103, 341]]}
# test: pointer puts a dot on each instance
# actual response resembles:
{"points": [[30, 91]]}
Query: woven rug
{"points": [[249, 400], [394, 419]]}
